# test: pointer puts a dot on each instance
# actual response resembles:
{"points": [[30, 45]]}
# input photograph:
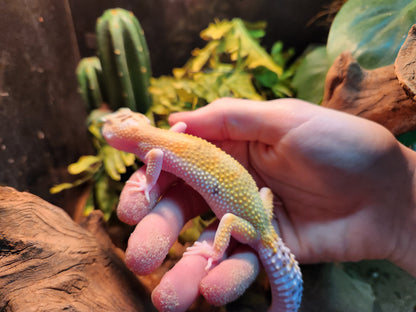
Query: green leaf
{"points": [[89, 205], [207, 86], [408, 139], [128, 158], [113, 162], [60, 187], [106, 196], [372, 30], [64, 186], [257, 33], [216, 30], [309, 79], [256, 29], [200, 59], [280, 56], [250, 49], [281, 90], [265, 77], [87, 163], [241, 86]]}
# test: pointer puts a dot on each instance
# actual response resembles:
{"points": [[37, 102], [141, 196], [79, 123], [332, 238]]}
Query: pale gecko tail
{"points": [[284, 276]]}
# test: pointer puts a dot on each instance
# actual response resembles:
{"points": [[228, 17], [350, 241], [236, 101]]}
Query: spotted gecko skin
{"points": [[244, 212]]}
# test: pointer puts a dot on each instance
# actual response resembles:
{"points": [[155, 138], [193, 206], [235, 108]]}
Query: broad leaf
{"points": [[309, 79], [256, 55], [241, 86], [372, 30]]}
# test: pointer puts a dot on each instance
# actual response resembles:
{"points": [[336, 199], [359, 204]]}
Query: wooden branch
{"points": [[49, 263], [376, 94], [405, 64]]}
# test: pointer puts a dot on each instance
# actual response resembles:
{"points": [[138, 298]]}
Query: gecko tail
{"points": [[284, 275]]}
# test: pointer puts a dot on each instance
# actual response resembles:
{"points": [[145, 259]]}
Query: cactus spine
{"points": [[90, 82], [124, 57]]}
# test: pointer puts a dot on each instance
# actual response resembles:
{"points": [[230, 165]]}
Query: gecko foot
{"points": [[142, 186], [203, 249]]}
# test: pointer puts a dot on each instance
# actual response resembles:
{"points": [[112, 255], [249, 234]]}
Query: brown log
{"points": [[49, 263], [405, 64], [376, 94]]}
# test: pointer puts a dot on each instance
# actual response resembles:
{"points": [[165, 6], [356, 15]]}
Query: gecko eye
{"points": [[124, 114]]}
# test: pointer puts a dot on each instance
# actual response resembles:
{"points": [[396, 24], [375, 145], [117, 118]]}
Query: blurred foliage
{"points": [[372, 30], [310, 77], [231, 64]]}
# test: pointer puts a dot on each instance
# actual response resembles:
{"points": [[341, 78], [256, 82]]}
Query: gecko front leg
{"points": [[154, 161], [230, 225]]}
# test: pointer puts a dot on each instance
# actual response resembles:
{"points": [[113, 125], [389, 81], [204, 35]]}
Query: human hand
{"points": [[338, 176]]}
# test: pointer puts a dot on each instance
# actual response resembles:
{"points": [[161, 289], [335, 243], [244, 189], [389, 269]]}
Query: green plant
{"points": [[90, 82], [232, 64], [124, 57], [119, 77]]}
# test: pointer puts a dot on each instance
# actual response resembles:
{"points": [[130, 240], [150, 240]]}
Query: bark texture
{"points": [[50, 263], [384, 95]]}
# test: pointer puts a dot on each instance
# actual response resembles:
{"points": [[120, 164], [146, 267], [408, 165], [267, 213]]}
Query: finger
{"points": [[152, 238], [231, 277], [224, 283], [179, 287], [133, 205], [237, 119]]}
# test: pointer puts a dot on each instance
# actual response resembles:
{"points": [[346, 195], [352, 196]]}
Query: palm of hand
{"points": [[331, 181]]}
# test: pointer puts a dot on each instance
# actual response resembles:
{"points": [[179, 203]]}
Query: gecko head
{"points": [[121, 129]]}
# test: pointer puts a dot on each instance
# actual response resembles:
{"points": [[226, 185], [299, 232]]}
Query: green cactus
{"points": [[125, 60], [90, 82]]}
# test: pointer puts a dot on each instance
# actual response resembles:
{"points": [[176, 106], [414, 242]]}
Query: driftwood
{"points": [[49, 263], [385, 95]]}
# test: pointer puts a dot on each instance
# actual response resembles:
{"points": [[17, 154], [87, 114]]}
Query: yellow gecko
{"points": [[244, 211]]}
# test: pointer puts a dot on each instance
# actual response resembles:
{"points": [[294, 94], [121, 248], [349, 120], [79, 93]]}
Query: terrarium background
{"points": [[42, 116]]}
